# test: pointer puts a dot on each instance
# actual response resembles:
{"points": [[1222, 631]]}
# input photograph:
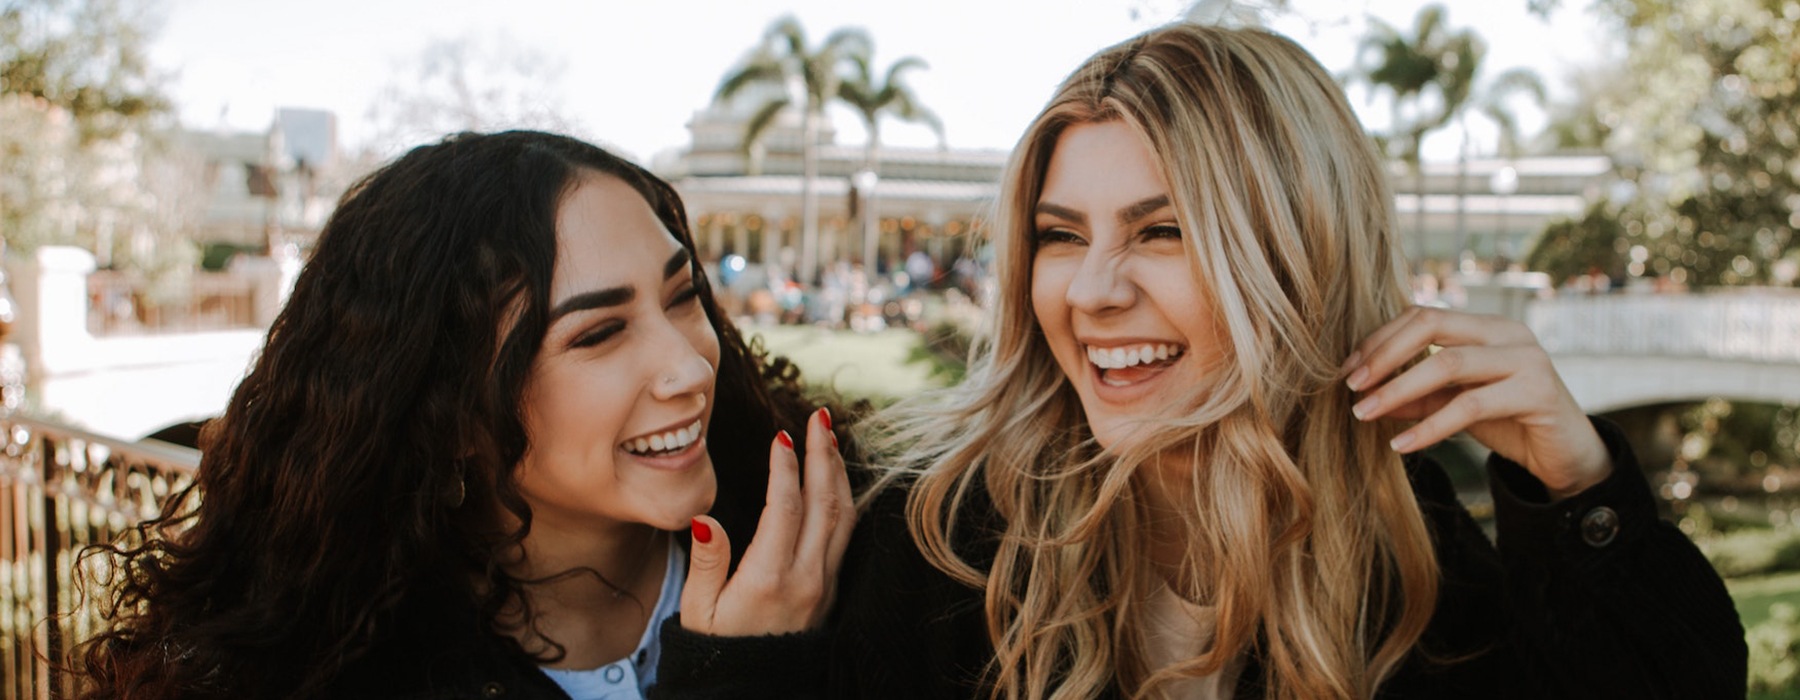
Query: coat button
{"points": [[1599, 527], [493, 690]]}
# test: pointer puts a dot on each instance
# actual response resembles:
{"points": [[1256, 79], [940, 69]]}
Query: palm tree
{"points": [[807, 78], [1433, 62], [871, 100]]}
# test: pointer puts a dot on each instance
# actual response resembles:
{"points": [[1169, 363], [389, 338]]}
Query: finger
{"points": [[1419, 328], [824, 467], [840, 538], [1378, 338], [709, 561], [1451, 367], [1423, 406], [1490, 402], [772, 549]]}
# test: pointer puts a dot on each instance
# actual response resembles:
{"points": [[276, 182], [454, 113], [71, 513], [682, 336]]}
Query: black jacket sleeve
{"points": [[696, 666], [1592, 596]]}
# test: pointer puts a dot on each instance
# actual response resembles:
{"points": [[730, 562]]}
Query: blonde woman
{"points": [[1183, 465]]}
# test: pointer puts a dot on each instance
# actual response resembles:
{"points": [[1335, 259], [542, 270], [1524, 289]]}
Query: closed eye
{"points": [[1162, 231], [598, 334], [1055, 236], [688, 295]]}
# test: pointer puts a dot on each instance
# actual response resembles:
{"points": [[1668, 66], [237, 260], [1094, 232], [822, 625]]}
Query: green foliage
{"points": [[1751, 552], [83, 156], [1703, 121], [1775, 651], [784, 57], [1575, 246], [89, 57], [944, 348], [1429, 76], [872, 97], [1428, 73]]}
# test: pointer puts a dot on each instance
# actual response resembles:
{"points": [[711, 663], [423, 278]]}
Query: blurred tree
{"points": [[784, 72], [871, 99], [469, 83], [1428, 75], [85, 157], [1578, 246], [88, 57], [1704, 121]]}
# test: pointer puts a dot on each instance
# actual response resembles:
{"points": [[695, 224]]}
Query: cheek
{"points": [[706, 342], [1049, 292]]}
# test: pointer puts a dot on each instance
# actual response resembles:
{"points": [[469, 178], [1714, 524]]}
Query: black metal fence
{"points": [[62, 489]]}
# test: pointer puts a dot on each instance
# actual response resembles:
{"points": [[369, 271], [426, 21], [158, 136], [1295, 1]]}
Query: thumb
{"points": [[709, 558]]}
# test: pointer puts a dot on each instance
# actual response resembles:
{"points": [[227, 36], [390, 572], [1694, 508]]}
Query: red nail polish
{"points": [[702, 533], [786, 441], [825, 417]]}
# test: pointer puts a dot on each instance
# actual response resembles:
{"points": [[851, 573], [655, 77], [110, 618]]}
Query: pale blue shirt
{"points": [[626, 679]]}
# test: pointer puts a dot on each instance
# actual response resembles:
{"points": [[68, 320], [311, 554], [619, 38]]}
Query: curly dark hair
{"points": [[326, 500]]}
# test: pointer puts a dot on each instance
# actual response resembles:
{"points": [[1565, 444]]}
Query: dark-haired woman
{"points": [[499, 389]]}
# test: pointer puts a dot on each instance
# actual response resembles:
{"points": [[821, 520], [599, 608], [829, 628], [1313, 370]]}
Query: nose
{"points": [[684, 371], [1100, 283]]}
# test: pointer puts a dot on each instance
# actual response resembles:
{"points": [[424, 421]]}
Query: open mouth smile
{"points": [[665, 443], [1128, 364]]}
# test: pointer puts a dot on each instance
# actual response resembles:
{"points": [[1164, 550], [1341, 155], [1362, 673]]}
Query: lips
{"points": [[666, 442], [1124, 372]]}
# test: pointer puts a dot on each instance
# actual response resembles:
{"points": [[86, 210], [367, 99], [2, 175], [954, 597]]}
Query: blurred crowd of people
{"points": [[847, 295]]}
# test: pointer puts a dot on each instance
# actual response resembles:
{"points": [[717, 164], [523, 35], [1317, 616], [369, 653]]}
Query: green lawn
{"points": [[1754, 594], [858, 365]]}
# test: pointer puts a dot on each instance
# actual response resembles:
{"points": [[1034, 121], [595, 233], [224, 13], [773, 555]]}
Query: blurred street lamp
{"points": [[865, 181], [1504, 183]]}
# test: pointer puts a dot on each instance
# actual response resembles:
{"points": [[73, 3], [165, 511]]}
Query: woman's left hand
{"points": [[1490, 378]]}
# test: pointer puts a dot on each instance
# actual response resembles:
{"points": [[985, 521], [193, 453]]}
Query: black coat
{"points": [[1592, 597]]}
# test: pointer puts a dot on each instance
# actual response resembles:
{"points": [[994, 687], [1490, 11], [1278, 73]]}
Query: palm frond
{"points": [[756, 70], [760, 122]]}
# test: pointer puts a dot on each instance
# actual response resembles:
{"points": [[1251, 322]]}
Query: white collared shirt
{"points": [[626, 679]]}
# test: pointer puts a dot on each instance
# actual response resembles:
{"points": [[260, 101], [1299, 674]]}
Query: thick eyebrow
{"points": [[1062, 212], [1143, 208], [615, 296], [679, 260], [1127, 215]]}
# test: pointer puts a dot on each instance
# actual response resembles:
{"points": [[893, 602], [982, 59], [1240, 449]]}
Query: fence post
{"points": [[52, 526]]}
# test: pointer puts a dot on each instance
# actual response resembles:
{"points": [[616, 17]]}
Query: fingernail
{"points": [[786, 441], [825, 417], [1363, 408], [1357, 378], [1401, 442], [1355, 359], [702, 533]]}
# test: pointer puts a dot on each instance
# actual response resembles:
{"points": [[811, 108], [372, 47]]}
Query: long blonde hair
{"points": [[1302, 528]]}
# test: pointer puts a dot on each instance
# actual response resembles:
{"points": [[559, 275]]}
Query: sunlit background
{"points": [[1621, 175]]}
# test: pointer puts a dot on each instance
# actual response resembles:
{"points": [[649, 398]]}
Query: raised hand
{"points": [[788, 578], [1489, 376]]}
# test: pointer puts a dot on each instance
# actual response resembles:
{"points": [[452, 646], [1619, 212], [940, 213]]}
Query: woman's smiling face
{"points": [[1111, 282], [620, 395]]}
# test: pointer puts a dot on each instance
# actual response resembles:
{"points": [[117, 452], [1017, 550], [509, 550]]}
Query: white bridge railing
{"points": [[1761, 326]]}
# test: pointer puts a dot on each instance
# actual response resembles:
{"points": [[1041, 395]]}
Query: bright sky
{"points": [[636, 71]]}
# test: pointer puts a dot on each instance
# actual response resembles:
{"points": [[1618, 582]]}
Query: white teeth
{"points": [[1119, 358], [671, 441]]}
